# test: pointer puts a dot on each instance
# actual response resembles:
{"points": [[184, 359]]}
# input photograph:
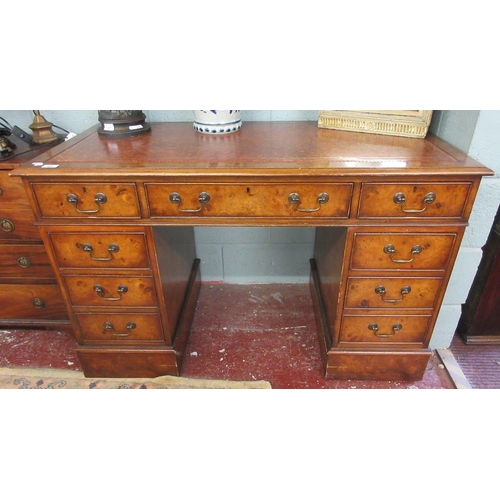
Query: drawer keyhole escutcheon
{"points": [[294, 199], [7, 225], [391, 250], [400, 199], [395, 328], [176, 199], [99, 199], [100, 291], [380, 290], [112, 248], [108, 327]]}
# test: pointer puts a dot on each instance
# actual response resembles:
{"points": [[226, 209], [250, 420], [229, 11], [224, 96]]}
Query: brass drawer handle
{"points": [[7, 225], [395, 328], [294, 199], [99, 200], [112, 248], [108, 327], [400, 199], [390, 250], [24, 262], [100, 291], [38, 303], [382, 291], [176, 199]]}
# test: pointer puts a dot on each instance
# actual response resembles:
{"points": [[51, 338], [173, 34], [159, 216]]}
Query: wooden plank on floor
{"points": [[453, 368]]}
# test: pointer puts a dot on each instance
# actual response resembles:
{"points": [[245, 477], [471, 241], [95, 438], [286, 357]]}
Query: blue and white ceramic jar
{"points": [[216, 122]]}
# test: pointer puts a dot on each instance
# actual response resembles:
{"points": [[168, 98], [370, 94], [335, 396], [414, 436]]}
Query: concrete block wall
{"points": [[477, 133]]}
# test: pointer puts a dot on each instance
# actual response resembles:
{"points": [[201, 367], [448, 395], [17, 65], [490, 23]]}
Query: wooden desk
{"points": [[117, 216], [29, 294]]}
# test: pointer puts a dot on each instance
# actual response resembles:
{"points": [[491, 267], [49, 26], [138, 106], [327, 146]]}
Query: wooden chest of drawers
{"points": [[117, 218], [29, 294]]}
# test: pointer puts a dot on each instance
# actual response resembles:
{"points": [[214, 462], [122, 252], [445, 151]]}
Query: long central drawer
{"points": [[249, 200]]}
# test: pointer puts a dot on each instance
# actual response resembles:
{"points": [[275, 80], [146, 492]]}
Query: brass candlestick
{"points": [[42, 130]]}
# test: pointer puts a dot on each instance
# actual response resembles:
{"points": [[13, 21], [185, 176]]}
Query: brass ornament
{"points": [[42, 130]]}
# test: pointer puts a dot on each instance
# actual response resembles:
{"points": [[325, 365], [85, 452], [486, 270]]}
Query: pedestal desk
{"points": [[117, 219]]}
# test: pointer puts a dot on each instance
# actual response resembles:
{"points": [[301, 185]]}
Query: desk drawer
{"points": [[111, 291], [87, 200], [123, 328], [406, 251], [12, 193], [31, 302], [95, 250], [249, 200], [25, 261], [407, 293], [384, 329], [18, 224], [446, 200]]}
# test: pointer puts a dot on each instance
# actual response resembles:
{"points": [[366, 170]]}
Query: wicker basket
{"points": [[400, 123]]}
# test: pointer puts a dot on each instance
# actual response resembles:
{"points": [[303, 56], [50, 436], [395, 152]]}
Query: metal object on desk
{"points": [[122, 123], [42, 130]]}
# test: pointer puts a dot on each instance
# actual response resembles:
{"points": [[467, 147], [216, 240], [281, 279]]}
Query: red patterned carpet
{"points": [[239, 333], [479, 363]]}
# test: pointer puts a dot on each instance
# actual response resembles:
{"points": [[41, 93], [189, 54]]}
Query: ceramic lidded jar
{"points": [[216, 122]]}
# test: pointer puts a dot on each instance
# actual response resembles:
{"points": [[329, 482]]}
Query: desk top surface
{"points": [[274, 147]]}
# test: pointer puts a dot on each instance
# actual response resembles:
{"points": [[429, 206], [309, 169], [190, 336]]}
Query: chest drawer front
{"points": [[25, 261], [119, 328], [405, 200], [31, 301], [12, 192], [249, 200], [89, 200], [407, 293], [396, 251], [18, 225], [95, 250], [111, 291], [384, 329]]}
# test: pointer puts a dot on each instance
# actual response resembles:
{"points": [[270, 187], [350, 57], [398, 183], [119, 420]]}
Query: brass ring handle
{"points": [[112, 248], [100, 291], [390, 250], [38, 303], [382, 291], [24, 262], [294, 199], [7, 225], [400, 199], [395, 328], [99, 199], [176, 199], [109, 327]]}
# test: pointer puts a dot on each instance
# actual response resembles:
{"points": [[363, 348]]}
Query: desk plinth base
{"points": [[128, 363], [370, 365], [362, 364], [147, 362]]}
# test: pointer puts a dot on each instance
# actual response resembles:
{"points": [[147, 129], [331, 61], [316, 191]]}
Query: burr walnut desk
{"points": [[117, 217]]}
